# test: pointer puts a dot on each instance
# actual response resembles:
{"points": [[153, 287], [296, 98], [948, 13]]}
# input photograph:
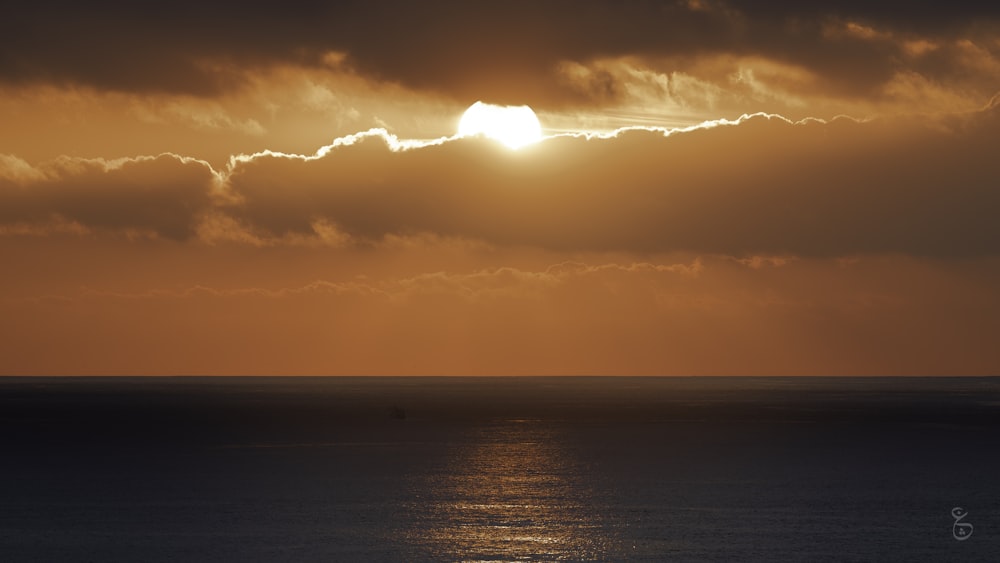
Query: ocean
{"points": [[499, 469]]}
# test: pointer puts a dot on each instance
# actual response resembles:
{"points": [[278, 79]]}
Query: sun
{"points": [[514, 126]]}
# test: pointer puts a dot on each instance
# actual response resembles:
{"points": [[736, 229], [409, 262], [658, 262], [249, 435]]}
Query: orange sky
{"points": [[722, 189]]}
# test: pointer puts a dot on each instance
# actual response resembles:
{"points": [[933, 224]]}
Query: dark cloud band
{"points": [[507, 50], [763, 186]]}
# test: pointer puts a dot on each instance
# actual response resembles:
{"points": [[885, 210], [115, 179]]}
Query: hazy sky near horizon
{"points": [[722, 188]]}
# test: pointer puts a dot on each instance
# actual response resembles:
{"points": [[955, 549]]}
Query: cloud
{"points": [[509, 50], [761, 185], [487, 284], [207, 117], [877, 315], [149, 196], [17, 171]]}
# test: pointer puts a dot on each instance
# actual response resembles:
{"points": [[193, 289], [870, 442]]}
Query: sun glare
{"points": [[514, 126]]}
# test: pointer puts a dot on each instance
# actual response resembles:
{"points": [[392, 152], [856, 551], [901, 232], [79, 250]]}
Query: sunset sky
{"points": [[721, 188]]}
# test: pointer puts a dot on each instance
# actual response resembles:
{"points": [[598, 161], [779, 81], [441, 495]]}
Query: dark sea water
{"points": [[499, 469]]}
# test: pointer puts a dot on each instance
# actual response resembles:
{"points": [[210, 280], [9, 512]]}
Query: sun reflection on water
{"points": [[511, 494]]}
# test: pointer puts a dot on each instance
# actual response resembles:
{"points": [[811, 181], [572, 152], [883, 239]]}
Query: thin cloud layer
{"points": [[885, 315]]}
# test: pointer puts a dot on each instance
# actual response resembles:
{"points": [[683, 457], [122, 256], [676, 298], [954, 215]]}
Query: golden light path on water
{"points": [[512, 494]]}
